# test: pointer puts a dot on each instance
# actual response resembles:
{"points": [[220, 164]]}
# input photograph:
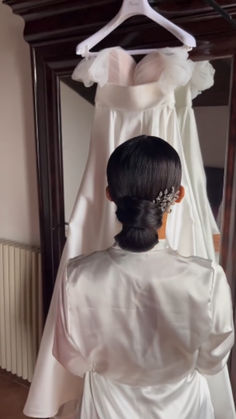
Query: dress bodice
{"points": [[169, 66], [123, 83]]}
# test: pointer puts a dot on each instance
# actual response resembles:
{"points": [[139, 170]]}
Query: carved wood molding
{"points": [[175, 7], [52, 20]]}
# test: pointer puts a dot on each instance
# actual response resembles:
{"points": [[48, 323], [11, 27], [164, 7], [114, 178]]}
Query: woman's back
{"points": [[142, 324]]}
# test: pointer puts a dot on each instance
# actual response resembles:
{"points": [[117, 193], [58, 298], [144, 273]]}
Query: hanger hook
{"points": [[85, 52]]}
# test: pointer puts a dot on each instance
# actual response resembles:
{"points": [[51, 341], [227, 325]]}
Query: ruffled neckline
{"points": [[170, 67]]}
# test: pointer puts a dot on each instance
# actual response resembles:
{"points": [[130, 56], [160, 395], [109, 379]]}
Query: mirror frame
{"points": [[53, 28]]}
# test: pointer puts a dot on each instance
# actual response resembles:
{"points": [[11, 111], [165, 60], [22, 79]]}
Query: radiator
{"points": [[20, 307]]}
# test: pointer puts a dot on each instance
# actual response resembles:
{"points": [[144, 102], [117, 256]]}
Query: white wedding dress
{"points": [[130, 100], [202, 78]]}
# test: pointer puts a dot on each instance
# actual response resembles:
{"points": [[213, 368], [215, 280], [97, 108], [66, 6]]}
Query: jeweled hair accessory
{"points": [[166, 198]]}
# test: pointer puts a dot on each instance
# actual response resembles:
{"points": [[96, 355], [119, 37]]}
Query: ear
{"points": [[108, 195], [181, 194]]}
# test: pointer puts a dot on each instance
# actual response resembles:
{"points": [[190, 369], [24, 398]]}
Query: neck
{"points": [[162, 230]]}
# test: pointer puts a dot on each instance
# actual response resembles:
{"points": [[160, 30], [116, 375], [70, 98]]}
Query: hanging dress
{"points": [[202, 79], [130, 100]]}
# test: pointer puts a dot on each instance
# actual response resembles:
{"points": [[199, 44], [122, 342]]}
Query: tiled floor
{"points": [[13, 393]]}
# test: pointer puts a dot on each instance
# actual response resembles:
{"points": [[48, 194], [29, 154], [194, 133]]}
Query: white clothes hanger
{"points": [[128, 9]]}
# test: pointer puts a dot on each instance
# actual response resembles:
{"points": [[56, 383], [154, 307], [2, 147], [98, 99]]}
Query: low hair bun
{"points": [[144, 177], [140, 219]]}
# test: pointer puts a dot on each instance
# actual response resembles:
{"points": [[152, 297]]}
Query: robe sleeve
{"points": [[65, 349], [214, 352]]}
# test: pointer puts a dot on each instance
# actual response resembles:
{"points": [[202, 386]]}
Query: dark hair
{"points": [[136, 172]]}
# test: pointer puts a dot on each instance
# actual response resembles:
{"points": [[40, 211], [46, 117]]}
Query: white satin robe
{"points": [[143, 328]]}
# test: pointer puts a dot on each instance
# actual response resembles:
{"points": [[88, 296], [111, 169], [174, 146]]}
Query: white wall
{"points": [[212, 123], [18, 186], [77, 117]]}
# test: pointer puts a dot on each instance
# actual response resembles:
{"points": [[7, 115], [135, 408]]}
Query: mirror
{"points": [[211, 110], [77, 112]]}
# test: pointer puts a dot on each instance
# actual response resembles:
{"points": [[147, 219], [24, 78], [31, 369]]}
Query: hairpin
{"points": [[166, 198]]}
